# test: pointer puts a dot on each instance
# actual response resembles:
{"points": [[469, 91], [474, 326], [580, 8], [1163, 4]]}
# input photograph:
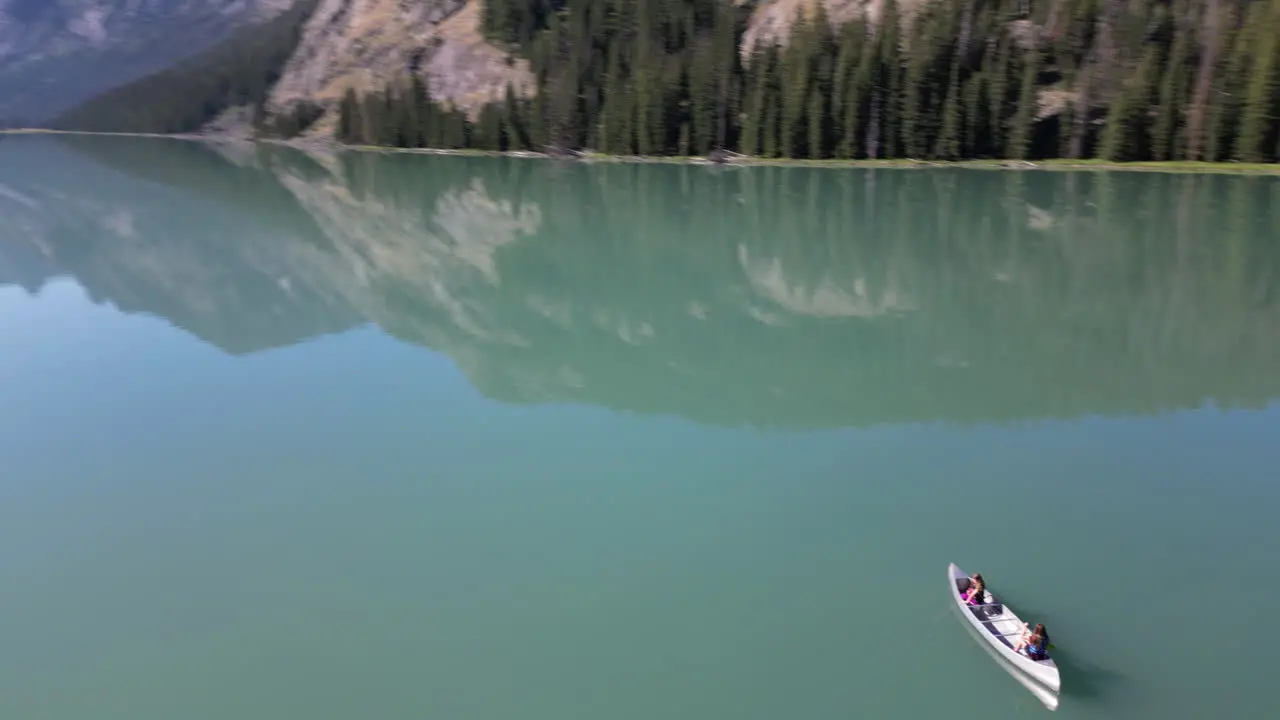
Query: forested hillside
{"points": [[930, 79], [1144, 80], [56, 54], [183, 98]]}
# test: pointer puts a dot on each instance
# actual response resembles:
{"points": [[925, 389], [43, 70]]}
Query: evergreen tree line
{"points": [[1026, 79], [238, 72], [407, 117]]}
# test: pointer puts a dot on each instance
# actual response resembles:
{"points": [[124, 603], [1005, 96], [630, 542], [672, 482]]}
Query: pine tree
{"points": [[725, 36], [817, 141], [487, 132], [1212, 29], [769, 145], [998, 96], [425, 112], [1256, 142], [513, 134], [846, 96], [1021, 127], [349, 130], [1165, 136], [1125, 137], [888, 98], [648, 99], [703, 92], [949, 138], [760, 75], [795, 84], [1174, 78]]}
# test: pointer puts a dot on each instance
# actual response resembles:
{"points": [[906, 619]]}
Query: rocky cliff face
{"points": [[771, 20], [364, 44], [55, 54]]}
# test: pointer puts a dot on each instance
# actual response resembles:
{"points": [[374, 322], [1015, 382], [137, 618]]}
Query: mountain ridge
{"points": [[55, 54]]}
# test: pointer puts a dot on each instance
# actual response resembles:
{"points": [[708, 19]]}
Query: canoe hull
{"points": [[1043, 694], [997, 630]]}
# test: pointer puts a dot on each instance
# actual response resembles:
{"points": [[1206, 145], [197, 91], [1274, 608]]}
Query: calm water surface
{"points": [[389, 436]]}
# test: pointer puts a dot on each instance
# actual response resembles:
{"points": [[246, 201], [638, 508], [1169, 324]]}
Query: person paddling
{"points": [[1035, 641], [977, 590]]}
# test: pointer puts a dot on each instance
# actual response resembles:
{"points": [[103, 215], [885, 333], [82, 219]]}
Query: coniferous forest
{"points": [[1122, 81], [1141, 80]]}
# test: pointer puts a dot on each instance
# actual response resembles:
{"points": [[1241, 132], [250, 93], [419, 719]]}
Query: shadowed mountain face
{"points": [[55, 54], [766, 296]]}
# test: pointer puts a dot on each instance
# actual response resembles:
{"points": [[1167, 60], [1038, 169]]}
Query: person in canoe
{"points": [[977, 590], [1034, 641]]}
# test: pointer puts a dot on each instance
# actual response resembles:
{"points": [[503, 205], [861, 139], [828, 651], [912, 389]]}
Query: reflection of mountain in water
{"points": [[217, 263], [768, 296]]}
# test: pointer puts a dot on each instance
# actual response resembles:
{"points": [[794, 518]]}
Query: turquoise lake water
{"points": [[306, 436]]}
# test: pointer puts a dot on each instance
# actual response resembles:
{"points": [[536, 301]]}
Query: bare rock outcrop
{"points": [[771, 20], [365, 44]]}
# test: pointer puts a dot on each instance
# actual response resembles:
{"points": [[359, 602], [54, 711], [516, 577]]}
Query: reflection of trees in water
{"points": [[768, 295], [1010, 293]]}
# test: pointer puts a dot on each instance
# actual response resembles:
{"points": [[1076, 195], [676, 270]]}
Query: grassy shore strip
{"points": [[174, 136], [990, 164], [1230, 168], [1055, 164]]}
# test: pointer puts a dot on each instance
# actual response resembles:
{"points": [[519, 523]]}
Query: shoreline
{"points": [[1059, 164]]}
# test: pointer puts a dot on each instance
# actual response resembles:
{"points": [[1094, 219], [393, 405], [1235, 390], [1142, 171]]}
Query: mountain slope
{"points": [[940, 79], [55, 54], [364, 45], [771, 20], [299, 65], [923, 79], [183, 98]]}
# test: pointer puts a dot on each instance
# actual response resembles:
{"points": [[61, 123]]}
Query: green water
{"points": [[291, 436]]}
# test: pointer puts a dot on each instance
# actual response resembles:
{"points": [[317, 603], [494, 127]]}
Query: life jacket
{"points": [[1036, 650]]}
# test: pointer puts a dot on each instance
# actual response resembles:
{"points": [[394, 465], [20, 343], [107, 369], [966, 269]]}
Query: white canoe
{"points": [[1001, 628]]}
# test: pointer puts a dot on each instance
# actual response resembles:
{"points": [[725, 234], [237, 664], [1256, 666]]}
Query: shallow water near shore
{"points": [[327, 436]]}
